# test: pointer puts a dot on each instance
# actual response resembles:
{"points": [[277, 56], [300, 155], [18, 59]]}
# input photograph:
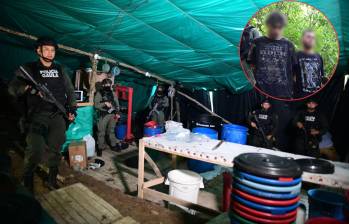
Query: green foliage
{"points": [[302, 16]]}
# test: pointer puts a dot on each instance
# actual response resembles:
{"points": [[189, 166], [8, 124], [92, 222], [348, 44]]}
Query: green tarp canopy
{"points": [[194, 42]]}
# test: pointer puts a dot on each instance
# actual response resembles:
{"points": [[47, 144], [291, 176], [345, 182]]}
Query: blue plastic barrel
{"points": [[234, 133], [120, 131], [152, 131], [197, 165], [325, 203]]}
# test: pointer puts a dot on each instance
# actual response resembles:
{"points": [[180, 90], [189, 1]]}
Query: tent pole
{"points": [[202, 106], [91, 55]]}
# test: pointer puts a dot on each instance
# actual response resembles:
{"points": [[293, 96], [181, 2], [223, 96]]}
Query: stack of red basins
{"points": [[266, 189]]}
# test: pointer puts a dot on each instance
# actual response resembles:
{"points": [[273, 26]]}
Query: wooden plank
{"points": [[174, 161], [196, 157], [126, 220], [99, 200], [149, 193], [50, 210], [76, 205], [54, 204], [67, 206], [153, 182], [99, 212], [141, 168], [84, 104], [152, 164]]}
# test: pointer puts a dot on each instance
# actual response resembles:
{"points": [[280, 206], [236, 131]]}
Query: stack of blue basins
{"points": [[266, 189]]}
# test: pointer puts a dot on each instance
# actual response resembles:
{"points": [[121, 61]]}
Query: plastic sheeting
{"points": [[82, 126], [193, 42]]}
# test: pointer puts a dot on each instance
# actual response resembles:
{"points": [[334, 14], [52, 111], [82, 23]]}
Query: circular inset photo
{"points": [[289, 50]]}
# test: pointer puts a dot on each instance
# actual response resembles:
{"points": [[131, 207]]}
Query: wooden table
{"points": [[224, 156]]}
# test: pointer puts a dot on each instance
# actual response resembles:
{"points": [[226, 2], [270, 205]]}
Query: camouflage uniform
{"points": [[106, 121]]}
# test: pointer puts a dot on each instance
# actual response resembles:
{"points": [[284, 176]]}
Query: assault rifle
{"points": [[109, 98], [153, 110], [46, 93]]}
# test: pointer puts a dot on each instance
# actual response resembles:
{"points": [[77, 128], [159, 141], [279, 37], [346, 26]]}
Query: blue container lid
{"points": [[211, 133], [267, 181], [326, 197], [235, 126], [203, 130]]}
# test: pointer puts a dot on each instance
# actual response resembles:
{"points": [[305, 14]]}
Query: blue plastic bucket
{"points": [[120, 131], [152, 131], [197, 165], [324, 203], [234, 133]]}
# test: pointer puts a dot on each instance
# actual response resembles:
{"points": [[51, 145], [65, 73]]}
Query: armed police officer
{"points": [[264, 125], [159, 105], [47, 118], [310, 125], [107, 105]]}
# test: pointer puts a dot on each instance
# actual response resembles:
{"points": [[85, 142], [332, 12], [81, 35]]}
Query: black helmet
{"points": [[46, 41]]}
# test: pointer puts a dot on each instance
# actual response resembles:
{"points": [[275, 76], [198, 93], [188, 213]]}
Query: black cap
{"points": [[46, 41]]}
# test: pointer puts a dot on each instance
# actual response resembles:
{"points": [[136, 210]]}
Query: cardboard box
{"points": [[78, 155]]}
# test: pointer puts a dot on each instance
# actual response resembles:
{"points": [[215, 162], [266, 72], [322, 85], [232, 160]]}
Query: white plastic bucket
{"points": [[185, 185]]}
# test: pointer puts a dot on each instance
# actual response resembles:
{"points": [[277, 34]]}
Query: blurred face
{"points": [[47, 51], [160, 92], [266, 106], [311, 105], [308, 40], [275, 31]]}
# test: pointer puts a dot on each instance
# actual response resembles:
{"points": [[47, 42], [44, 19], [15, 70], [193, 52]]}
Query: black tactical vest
{"points": [[53, 78], [108, 96], [311, 120], [265, 120]]}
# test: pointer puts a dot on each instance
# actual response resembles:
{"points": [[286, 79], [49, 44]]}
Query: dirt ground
{"points": [[140, 210]]}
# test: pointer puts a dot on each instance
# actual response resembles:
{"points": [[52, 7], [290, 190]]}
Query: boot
{"points": [[116, 148], [100, 150], [28, 182], [52, 178]]}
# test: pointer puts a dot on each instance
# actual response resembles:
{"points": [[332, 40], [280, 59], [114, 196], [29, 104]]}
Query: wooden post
{"points": [[141, 169], [93, 79]]}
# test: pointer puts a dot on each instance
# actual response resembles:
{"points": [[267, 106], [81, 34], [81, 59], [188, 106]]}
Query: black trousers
{"points": [[307, 146], [257, 140]]}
